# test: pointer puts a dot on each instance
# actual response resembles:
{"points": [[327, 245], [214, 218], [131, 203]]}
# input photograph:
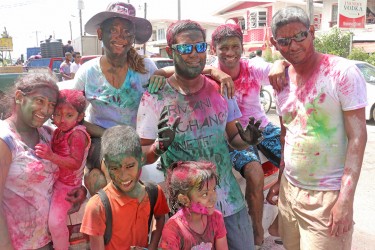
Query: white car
{"points": [[368, 72]]}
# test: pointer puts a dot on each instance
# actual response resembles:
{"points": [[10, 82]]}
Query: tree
{"points": [[358, 54], [335, 42]]}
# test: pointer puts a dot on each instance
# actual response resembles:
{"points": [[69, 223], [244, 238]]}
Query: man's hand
{"points": [[277, 75], [43, 151], [155, 83], [341, 218], [252, 134], [76, 196], [166, 133], [273, 193], [226, 82]]}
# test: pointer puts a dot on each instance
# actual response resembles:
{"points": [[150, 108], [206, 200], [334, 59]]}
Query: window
{"points": [[161, 34], [258, 19], [334, 15], [241, 23]]}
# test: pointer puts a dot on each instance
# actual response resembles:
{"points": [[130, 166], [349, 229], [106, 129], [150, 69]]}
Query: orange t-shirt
{"points": [[130, 218]]}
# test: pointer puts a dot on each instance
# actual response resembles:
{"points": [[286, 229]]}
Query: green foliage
{"points": [[271, 57], [358, 54], [371, 59], [267, 55], [335, 42]]}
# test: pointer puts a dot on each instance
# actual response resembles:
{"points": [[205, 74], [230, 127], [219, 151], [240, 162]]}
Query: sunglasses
{"points": [[185, 49], [298, 38]]}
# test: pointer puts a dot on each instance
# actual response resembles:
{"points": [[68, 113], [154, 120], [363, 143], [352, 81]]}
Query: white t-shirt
{"points": [[316, 141], [74, 67], [247, 85], [110, 106]]}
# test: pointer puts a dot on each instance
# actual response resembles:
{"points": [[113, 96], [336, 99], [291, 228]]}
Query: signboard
{"points": [[6, 44], [352, 14]]}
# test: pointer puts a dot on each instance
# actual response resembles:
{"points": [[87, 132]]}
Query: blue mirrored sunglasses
{"points": [[298, 38], [187, 48]]}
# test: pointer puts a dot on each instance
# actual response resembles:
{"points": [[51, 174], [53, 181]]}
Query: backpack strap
{"points": [[108, 215], [152, 191]]}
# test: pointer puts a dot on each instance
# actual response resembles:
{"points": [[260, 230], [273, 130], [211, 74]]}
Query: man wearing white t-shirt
{"points": [[75, 65], [323, 130]]}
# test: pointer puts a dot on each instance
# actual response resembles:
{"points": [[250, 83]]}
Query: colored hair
{"points": [[135, 61], [225, 31], [287, 15], [180, 26], [120, 140], [27, 83], [73, 97], [184, 176]]}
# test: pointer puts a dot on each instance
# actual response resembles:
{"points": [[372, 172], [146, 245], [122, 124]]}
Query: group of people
{"points": [[69, 68], [192, 123]]}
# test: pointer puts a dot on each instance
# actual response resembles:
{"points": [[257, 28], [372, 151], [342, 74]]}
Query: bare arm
{"points": [[5, 161], [274, 189], [156, 234], [96, 243], [149, 151], [77, 143], [277, 75], [94, 130], [341, 218], [221, 243]]}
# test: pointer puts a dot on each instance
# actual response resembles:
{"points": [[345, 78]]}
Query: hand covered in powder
{"points": [[166, 133], [252, 134], [43, 151]]}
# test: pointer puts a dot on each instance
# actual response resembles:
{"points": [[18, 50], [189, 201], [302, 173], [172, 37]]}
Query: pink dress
{"points": [[28, 190], [178, 235], [68, 179]]}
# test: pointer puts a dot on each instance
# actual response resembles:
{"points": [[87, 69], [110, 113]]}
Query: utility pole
{"points": [[80, 8], [310, 10], [145, 15], [37, 40], [179, 10]]}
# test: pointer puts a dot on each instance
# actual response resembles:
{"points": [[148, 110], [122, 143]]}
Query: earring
{"points": [[18, 101]]}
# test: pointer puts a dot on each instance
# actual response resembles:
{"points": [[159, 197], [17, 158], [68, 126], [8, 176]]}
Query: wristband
{"points": [[155, 149]]}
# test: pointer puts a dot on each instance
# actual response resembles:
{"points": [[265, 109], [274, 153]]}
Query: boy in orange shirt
{"points": [[129, 201]]}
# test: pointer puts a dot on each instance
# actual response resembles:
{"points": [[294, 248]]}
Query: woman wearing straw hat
{"points": [[113, 83]]}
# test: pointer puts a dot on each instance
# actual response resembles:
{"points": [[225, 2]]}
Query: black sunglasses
{"points": [[187, 48], [298, 38]]}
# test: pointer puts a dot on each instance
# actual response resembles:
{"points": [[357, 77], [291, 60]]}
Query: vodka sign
{"points": [[352, 14]]}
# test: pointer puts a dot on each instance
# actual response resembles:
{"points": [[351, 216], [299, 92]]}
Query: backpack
{"points": [[152, 191]]}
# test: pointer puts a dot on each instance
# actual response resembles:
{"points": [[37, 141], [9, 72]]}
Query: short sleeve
{"points": [[351, 89], [148, 116], [221, 230], [161, 206], [93, 222], [170, 238], [233, 110]]}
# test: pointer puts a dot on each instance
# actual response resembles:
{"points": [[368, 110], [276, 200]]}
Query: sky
{"points": [[30, 21]]}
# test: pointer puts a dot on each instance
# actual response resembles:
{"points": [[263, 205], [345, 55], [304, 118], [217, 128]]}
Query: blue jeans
{"points": [[239, 231]]}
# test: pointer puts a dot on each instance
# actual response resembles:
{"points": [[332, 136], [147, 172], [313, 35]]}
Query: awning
{"points": [[368, 47]]}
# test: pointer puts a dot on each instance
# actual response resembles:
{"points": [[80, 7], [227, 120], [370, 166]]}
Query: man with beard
{"points": [[207, 121]]}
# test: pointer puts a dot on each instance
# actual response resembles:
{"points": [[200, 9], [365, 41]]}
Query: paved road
{"points": [[364, 203]]}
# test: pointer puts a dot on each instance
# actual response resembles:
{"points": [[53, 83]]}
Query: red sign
{"points": [[352, 14]]}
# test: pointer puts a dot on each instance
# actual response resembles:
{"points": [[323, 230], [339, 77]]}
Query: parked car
{"points": [[162, 62], [368, 72], [87, 58]]}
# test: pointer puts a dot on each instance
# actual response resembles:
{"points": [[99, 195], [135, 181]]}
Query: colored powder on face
{"points": [[198, 208]]}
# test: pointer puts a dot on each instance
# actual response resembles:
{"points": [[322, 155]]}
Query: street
{"points": [[364, 203]]}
